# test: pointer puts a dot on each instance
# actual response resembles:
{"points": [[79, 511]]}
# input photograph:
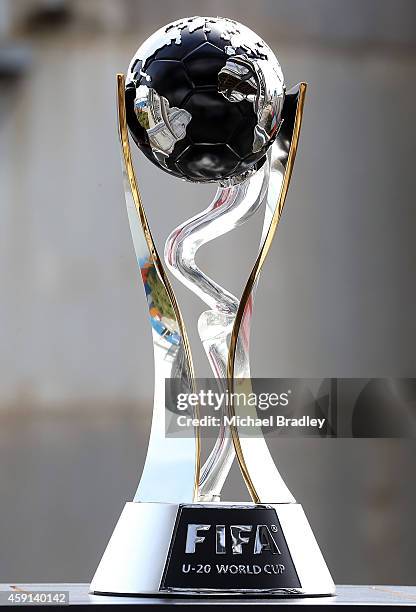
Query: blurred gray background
{"points": [[337, 297]]}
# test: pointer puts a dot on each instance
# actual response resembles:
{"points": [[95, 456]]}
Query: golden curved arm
{"points": [[172, 468], [255, 461]]}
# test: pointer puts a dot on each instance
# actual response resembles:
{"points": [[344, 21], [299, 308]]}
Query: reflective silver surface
{"points": [[165, 126], [259, 81], [193, 538]]}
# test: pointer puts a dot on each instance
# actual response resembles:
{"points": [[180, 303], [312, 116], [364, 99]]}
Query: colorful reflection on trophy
{"points": [[162, 317]]}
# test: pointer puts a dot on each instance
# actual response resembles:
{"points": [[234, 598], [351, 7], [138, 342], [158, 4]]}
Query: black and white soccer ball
{"points": [[204, 98]]}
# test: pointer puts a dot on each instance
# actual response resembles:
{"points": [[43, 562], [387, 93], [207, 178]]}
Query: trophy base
{"points": [[212, 549]]}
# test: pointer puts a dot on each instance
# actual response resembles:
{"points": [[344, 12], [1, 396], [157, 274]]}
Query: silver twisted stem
{"points": [[231, 206]]}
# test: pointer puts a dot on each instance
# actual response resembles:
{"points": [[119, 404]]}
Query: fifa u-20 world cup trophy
{"points": [[205, 100]]}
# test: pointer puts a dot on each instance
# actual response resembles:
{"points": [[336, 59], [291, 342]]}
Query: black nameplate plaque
{"points": [[227, 549]]}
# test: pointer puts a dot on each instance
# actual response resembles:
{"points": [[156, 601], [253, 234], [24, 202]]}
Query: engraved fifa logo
{"points": [[240, 535]]}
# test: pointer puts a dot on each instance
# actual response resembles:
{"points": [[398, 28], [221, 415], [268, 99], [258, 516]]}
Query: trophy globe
{"points": [[204, 100]]}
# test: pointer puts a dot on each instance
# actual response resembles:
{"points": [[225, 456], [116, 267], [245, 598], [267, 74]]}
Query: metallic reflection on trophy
{"points": [[205, 100]]}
